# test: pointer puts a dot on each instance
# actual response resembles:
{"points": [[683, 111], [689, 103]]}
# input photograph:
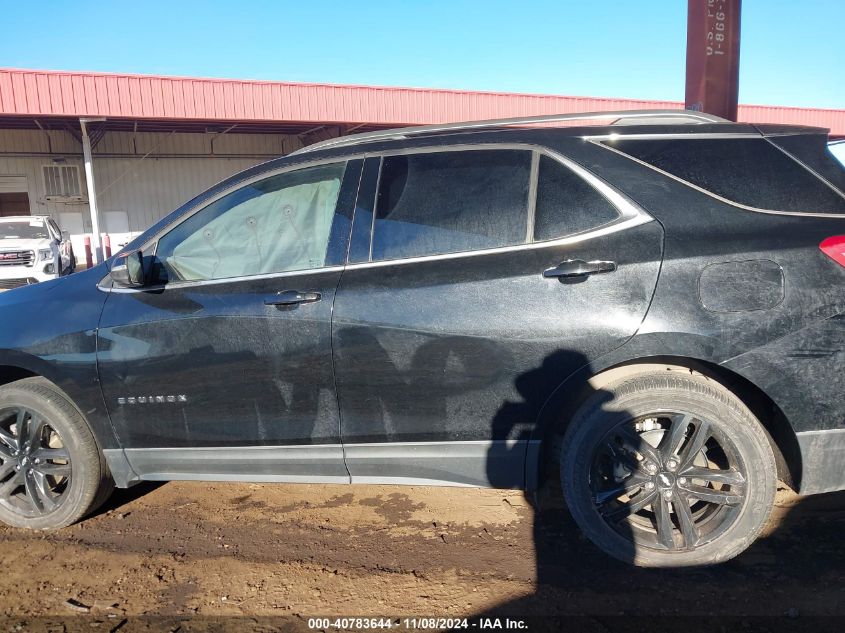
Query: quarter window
{"points": [[274, 225], [751, 172], [449, 202], [566, 204]]}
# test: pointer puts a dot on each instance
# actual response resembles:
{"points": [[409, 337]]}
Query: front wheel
{"points": [[668, 469], [51, 471]]}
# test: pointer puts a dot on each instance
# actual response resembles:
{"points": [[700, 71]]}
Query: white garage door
{"points": [[13, 184]]}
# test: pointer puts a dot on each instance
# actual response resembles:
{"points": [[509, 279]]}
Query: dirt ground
{"points": [[186, 549]]}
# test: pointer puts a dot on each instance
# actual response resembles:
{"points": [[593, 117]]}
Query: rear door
{"points": [[479, 278]]}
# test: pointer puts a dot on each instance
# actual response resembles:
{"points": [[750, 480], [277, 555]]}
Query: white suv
{"points": [[32, 249]]}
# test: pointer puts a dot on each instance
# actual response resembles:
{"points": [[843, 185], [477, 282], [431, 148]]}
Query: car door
{"points": [[221, 368], [479, 278], [62, 254]]}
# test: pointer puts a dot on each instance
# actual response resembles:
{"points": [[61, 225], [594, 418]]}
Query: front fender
{"points": [[50, 330]]}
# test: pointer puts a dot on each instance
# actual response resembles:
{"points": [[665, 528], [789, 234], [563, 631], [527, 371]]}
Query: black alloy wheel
{"points": [[667, 468], [669, 480], [36, 467], [52, 472]]}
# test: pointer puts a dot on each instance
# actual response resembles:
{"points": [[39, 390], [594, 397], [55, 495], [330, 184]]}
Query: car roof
{"points": [[522, 131], [580, 123]]}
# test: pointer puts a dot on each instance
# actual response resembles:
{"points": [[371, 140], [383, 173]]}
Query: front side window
{"points": [[451, 202], [278, 224]]}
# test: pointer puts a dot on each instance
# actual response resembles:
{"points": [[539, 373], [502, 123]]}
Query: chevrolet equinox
{"points": [[642, 311]]}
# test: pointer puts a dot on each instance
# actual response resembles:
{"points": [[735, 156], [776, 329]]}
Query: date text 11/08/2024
{"points": [[415, 624]]}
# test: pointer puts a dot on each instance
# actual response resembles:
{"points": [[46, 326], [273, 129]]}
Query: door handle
{"points": [[292, 297], [579, 268]]}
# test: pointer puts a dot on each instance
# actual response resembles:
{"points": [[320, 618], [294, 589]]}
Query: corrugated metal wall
{"points": [[57, 93], [143, 175]]}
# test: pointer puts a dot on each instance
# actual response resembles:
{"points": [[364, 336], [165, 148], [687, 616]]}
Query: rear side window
{"points": [[751, 172], [566, 204], [450, 202]]}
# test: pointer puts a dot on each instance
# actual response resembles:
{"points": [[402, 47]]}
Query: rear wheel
{"points": [[668, 469], [51, 470]]}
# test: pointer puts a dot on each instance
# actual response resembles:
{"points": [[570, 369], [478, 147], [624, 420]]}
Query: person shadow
{"points": [[440, 367], [561, 552]]}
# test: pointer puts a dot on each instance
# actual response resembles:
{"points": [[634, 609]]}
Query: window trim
{"points": [[629, 213], [374, 211], [533, 187], [175, 285], [598, 141]]}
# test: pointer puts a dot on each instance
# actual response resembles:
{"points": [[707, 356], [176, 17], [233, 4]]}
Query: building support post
{"points": [[713, 57], [92, 192]]}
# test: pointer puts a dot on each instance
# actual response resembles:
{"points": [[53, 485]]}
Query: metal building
{"points": [[157, 141]]}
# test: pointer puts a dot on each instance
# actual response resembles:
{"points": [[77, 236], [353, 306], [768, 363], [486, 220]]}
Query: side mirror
{"points": [[65, 236], [128, 270]]}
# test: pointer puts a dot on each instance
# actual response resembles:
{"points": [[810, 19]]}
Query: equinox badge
{"points": [[152, 399]]}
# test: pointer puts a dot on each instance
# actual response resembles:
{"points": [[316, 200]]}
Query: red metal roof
{"points": [[39, 93]]}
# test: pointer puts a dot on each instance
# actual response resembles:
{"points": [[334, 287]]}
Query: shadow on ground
{"points": [[791, 577], [122, 497]]}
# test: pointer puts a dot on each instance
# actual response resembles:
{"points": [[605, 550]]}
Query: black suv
{"points": [[644, 310]]}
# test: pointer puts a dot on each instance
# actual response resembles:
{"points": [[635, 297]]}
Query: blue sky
{"points": [[792, 51]]}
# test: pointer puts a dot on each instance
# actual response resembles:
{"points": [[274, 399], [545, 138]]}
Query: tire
{"points": [[646, 488], [55, 474]]}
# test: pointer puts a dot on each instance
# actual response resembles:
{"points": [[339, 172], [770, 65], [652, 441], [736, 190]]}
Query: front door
{"points": [[491, 276], [223, 368]]}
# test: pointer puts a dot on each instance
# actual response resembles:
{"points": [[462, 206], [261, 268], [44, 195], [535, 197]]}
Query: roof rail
{"points": [[615, 117]]}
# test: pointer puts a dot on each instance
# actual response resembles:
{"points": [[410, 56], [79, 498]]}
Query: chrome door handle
{"points": [[579, 268], [292, 297]]}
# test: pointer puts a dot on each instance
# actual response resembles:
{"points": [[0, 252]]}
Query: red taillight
{"points": [[834, 247]]}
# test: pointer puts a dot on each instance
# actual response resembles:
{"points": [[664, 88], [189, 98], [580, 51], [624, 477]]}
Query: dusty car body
{"points": [[648, 312]]}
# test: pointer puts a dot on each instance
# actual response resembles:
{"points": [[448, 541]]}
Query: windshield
{"points": [[23, 230]]}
